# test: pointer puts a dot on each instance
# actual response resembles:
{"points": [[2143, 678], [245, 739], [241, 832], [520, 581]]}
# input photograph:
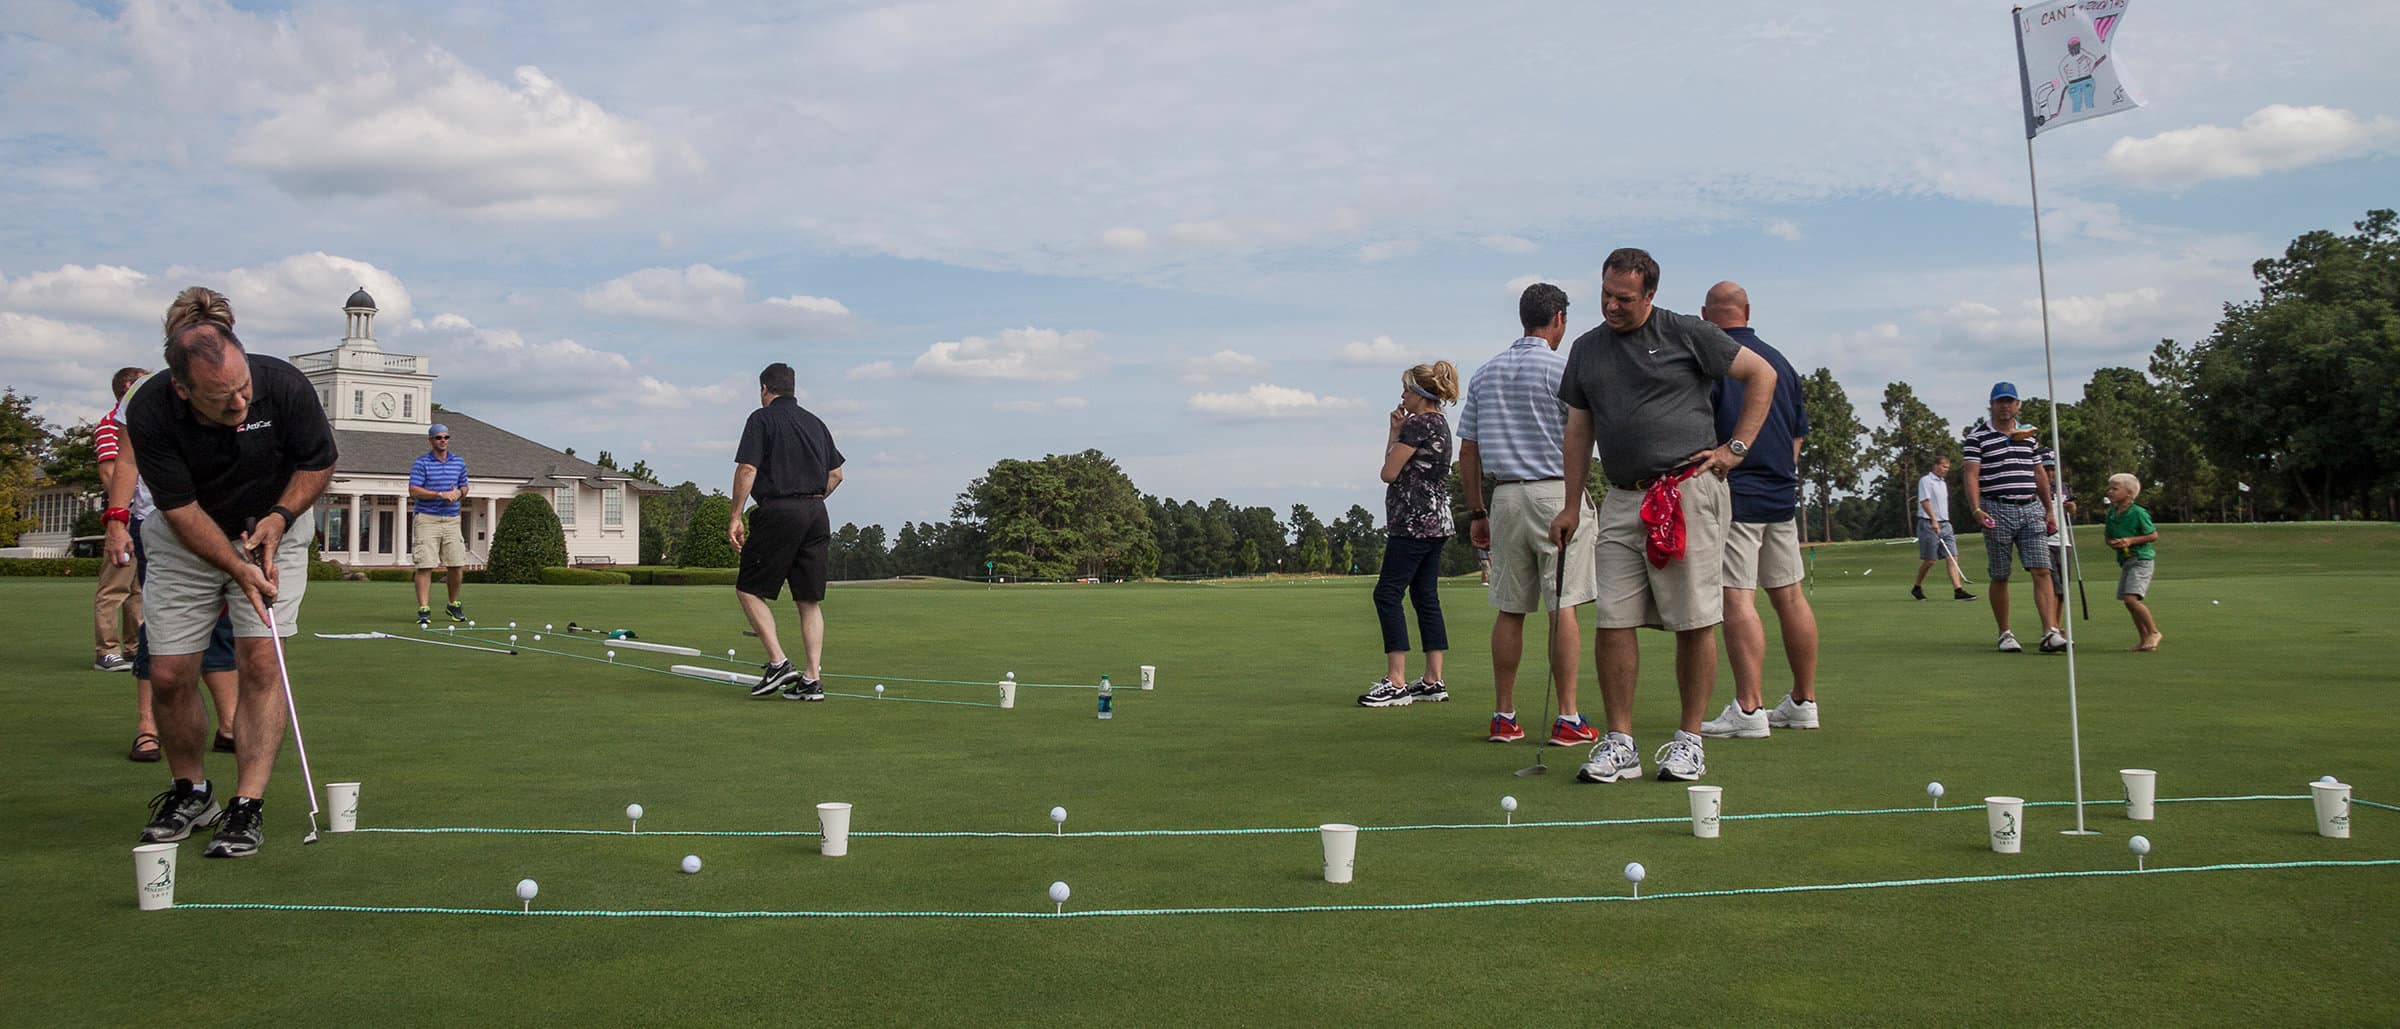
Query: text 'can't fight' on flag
{"points": [[2064, 62]]}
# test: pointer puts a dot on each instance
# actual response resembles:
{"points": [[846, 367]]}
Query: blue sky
{"points": [[1203, 241]]}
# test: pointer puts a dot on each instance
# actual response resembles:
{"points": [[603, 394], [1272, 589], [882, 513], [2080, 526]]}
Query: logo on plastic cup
{"points": [[166, 876], [2008, 827]]}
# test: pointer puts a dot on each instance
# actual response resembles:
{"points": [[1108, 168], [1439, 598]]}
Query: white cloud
{"points": [[64, 366], [1386, 250], [871, 371], [703, 296], [1270, 401], [1212, 233], [2279, 137], [1070, 403], [1783, 229], [1507, 244], [1125, 239], [105, 292], [299, 296], [1040, 406], [508, 370], [1014, 355], [1381, 350], [1222, 364]]}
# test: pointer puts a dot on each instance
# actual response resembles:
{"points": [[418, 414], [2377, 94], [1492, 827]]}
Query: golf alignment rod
{"points": [[284, 673], [412, 639], [1558, 594]]}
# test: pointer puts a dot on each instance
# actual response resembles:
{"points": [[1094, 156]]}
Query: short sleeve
{"points": [[752, 450], [1467, 411], [158, 452], [1970, 451], [306, 434], [1570, 384], [1417, 433], [104, 439], [416, 474], [1714, 349]]}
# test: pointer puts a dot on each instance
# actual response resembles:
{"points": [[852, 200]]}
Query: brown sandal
{"points": [[145, 748]]}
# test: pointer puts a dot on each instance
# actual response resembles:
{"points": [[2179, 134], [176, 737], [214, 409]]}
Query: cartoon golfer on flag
{"points": [[2072, 36]]}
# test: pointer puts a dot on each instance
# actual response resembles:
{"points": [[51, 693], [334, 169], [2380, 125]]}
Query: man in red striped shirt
{"points": [[117, 605]]}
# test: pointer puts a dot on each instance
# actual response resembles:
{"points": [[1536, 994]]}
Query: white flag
{"points": [[2244, 485], [2064, 63]]}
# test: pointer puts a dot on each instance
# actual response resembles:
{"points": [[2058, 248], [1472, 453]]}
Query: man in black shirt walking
{"points": [[786, 460]]}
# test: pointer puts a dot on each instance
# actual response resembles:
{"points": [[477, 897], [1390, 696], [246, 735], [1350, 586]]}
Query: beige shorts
{"points": [[182, 593], [438, 543], [1762, 555], [1523, 561], [1686, 594]]}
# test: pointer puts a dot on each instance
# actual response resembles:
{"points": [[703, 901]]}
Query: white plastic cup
{"points": [[1708, 807], [154, 876], [1341, 850], [2141, 793], [1149, 677], [341, 806], [1008, 693], [2006, 817], [2333, 809], [834, 819]]}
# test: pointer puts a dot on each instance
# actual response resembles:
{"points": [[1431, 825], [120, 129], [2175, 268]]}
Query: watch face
{"points": [[383, 405]]}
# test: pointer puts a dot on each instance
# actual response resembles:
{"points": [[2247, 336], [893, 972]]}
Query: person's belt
{"points": [[1645, 484], [2012, 500]]}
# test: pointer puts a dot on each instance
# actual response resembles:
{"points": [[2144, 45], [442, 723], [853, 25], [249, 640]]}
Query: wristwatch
{"points": [[1739, 448]]}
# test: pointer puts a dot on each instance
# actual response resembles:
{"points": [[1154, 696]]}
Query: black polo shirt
{"points": [[791, 448], [234, 472]]}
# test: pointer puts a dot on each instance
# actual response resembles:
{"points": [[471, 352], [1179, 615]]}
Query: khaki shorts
{"points": [[1762, 555], [182, 593], [438, 543], [1687, 594], [1523, 561]]}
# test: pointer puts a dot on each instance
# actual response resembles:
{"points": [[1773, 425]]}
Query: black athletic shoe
{"points": [[1917, 592], [1425, 691], [805, 689], [175, 813], [239, 836], [1960, 594], [775, 677], [457, 612]]}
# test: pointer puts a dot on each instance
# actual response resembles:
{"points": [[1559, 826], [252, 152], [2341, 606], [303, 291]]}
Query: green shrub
{"points": [[638, 575], [583, 577], [528, 540], [391, 575], [694, 577], [704, 543], [654, 539], [324, 571], [50, 567]]}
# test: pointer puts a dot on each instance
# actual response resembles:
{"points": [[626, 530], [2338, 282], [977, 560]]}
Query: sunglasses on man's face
{"points": [[441, 437]]}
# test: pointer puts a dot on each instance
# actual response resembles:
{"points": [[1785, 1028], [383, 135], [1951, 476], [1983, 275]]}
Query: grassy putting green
{"points": [[1252, 726]]}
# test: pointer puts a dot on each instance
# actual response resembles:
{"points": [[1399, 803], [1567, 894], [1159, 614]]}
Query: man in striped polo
{"points": [[2011, 493], [436, 483], [1514, 428]]}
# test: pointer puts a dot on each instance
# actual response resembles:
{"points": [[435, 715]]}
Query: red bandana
{"points": [[1662, 511]]}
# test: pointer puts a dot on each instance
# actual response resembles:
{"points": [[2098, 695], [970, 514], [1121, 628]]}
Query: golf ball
{"points": [[1508, 803], [879, 691], [612, 655], [512, 625], [537, 637], [2327, 779], [526, 888], [512, 637], [2139, 844], [729, 652], [1058, 892], [1634, 872], [2214, 603], [1059, 815], [633, 811], [1934, 790], [470, 623], [691, 864], [545, 627]]}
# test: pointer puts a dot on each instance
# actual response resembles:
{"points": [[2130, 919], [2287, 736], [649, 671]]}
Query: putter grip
{"points": [[250, 525]]}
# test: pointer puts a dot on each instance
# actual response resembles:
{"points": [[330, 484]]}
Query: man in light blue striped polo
{"points": [[1513, 428], [436, 483]]}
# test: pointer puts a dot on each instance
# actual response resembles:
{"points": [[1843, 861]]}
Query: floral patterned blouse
{"points": [[1416, 505]]}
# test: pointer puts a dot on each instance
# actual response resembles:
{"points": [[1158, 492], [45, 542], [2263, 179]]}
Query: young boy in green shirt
{"points": [[2131, 534]]}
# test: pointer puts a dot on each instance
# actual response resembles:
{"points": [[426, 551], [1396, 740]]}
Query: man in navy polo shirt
{"points": [[436, 483], [1762, 550], [2011, 493]]}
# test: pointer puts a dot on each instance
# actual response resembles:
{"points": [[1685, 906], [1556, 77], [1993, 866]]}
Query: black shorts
{"points": [[789, 541]]}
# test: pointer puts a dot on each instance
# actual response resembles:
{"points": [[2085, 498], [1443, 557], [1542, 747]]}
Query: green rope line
{"points": [[1284, 830], [584, 638], [1446, 905]]}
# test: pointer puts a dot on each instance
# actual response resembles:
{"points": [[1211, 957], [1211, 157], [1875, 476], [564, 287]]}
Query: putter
{"points": [[289, 706], [1558, 593]]}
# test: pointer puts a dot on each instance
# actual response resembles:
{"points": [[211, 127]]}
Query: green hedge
{"points": [[51, 567], [410, 575], [694, 576], [528, 540], [583, 577], [704, 542], [324, 571]]}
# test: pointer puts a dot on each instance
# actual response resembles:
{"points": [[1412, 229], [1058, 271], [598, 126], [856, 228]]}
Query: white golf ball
{"points": [[526, 888], [512, 625], [878, 691], [537, 637], [512, 637], [1059, 815], [470, 623], [633, 811], [1012, 676], [612, 655], [691, 864], [1634, 872], [2140, 845], [1934, 790], [2327, 779], [545, 627], [1508, 803], [729, 652], [1058, 892], [2214, 603]]}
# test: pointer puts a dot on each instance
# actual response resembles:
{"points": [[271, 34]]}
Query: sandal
{"points": [[145, 748], [224, 744]]}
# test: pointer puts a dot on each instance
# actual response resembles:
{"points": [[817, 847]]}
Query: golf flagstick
{"points": [[289, 706], [1558, 593]]}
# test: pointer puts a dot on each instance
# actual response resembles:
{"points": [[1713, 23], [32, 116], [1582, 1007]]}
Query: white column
{"points": [[491, 527], [351, 530]]}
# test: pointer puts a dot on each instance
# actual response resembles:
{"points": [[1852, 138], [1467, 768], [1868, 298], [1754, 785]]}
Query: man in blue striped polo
{"points": [[1514, 428], [436, 483], [2011, 493]]}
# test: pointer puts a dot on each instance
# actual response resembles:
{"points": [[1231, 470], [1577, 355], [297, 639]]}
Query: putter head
{"points": [[310, 838], [1530, 771]]}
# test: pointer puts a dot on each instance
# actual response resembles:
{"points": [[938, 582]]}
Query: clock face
{"points": [[383, 405]]}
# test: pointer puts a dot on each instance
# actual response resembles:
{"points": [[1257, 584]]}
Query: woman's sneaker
{"points": [[1386, 693], [1424, 691], [175, 813]]}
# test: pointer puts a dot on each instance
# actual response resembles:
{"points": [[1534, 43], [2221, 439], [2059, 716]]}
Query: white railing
{"points": [[363, 360]]}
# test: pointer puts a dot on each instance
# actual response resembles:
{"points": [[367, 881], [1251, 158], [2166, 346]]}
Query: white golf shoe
{"points": [[2009, 644], [1793, 714], [1613, 758], [1734, 725], [1681, 758]]}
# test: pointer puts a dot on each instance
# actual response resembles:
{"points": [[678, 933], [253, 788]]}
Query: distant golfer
{"points": [[436, 483], [1417, 525], [227, 439], [1762, 545], [2135, 539], [1638, 386], [787, 460], [1514, 428], [2011, 493], [1936, 543]]}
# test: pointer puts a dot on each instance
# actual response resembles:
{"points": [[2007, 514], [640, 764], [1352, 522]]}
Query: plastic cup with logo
{"points": [[834, 819], [2006, 817], [341, 806], [2333, 809], [2141, 793], [1341, 850], [1008, 691], [1149, 677], [1708, 808], [154, 876]]}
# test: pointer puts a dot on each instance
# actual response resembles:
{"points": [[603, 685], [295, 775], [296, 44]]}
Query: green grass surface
{"points": [[2284, 679]]}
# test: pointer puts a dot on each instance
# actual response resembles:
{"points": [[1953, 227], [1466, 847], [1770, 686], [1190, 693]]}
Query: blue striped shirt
{"points": [[440, 477], [1514, 415], [2007, 464]]}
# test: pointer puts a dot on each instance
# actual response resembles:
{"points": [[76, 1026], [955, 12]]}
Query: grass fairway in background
{"points": [[2275, 671]]}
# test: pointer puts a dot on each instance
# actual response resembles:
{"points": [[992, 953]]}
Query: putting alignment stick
{"points": [[411, 639]]}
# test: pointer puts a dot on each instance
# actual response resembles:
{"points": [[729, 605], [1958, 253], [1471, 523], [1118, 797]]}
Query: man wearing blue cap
{"points": [[436, 483], [2011, 493]]}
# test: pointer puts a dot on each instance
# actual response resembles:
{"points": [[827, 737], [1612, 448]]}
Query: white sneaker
{"points": [[1735, 725], [1791, 714], [1681, 758], [2009, 644], [2053, 641], [112, 663], [1613, 758]]}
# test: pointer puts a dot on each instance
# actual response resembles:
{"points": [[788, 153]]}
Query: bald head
{"points": [[1727, 306]]}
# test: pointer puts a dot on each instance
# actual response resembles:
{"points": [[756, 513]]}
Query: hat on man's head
{"points": [[2004, 391], [437, 429]]}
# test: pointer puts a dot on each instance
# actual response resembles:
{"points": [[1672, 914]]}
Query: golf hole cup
{"points": [[154, 876], [1341, 850], [834, 819], [341, 806], [2333, 809], [1708, 806], [2006, 817], [2141, 793], [1149, 677]]}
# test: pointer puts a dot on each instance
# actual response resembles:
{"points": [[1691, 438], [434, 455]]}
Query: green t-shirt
{"points": [[2131, 522]]}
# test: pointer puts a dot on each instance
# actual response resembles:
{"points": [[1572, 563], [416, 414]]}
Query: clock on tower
{"points": [[384, 405]]}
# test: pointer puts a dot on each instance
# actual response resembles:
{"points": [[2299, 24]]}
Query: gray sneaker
{"points": [[175, 813], [112, 663], [1681, 759], [1613, 758], [239, 836]]}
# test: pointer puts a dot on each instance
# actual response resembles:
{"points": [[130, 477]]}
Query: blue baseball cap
{"points": [[437, 429], [2004, 391]]}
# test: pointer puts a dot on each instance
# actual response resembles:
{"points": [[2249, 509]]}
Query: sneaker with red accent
{"points": [[1564, 733], [1505, 730]]}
